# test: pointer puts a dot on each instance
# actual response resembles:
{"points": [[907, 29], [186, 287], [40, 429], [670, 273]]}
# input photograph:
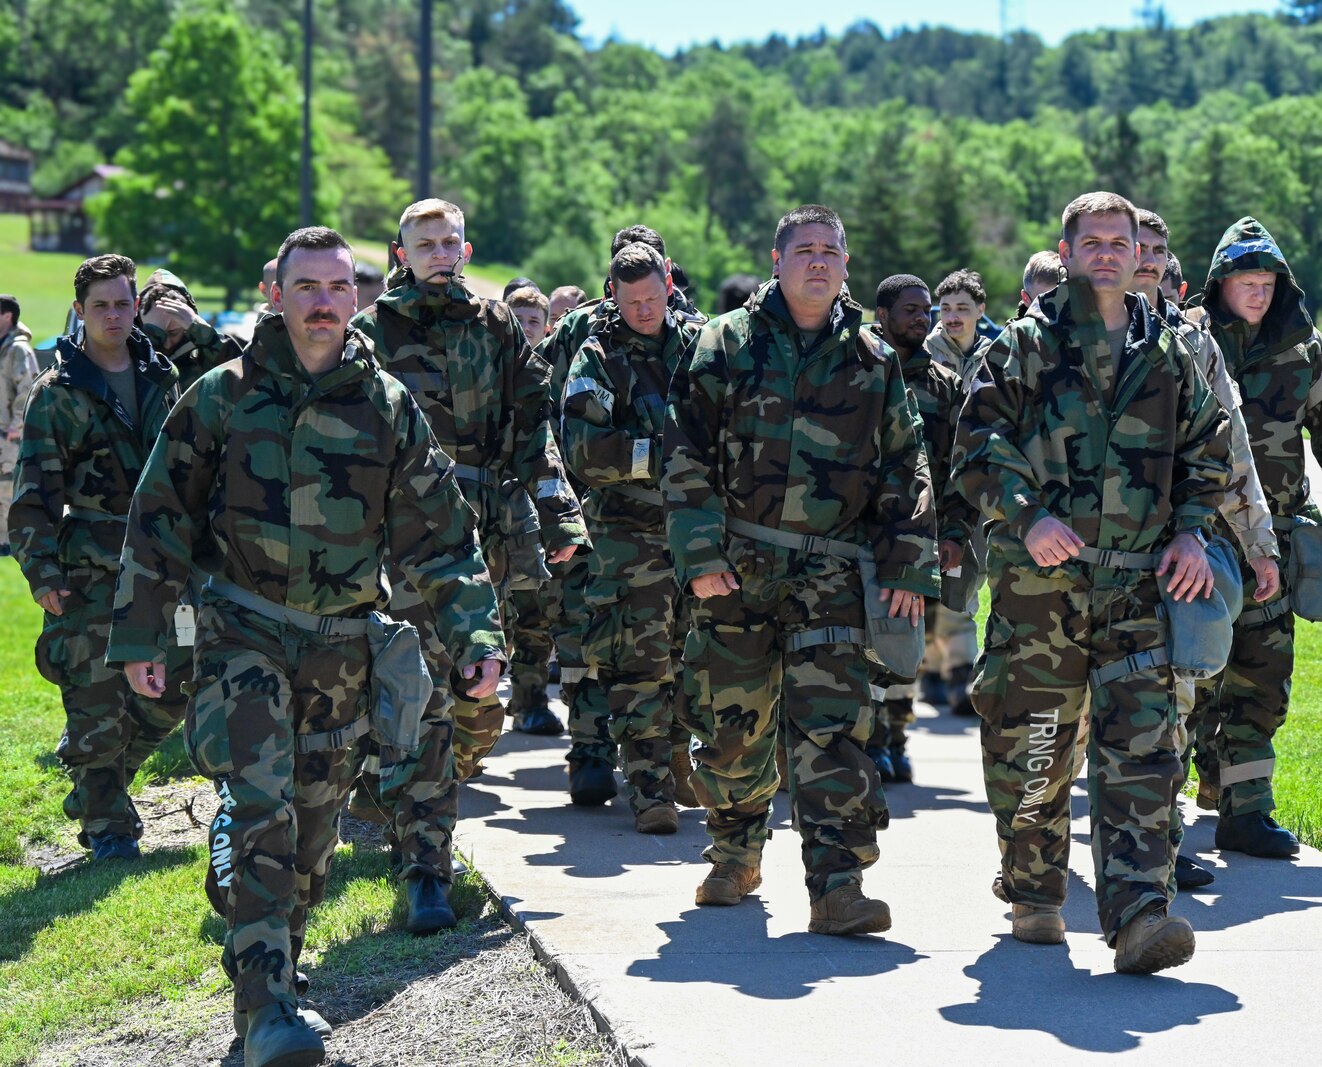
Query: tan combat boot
{"points": [[1152, 941], [1038, 924], [681, 768], [845, 910], [661, 819], [728, 883]]}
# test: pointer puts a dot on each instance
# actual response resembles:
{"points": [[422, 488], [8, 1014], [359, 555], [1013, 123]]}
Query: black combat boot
{"points": [[1255, 834], [429, 905], [591, 782], [278, 1037]]}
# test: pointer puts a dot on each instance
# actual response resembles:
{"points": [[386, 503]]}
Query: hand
{"points": [[170, 309], [488, 679], [904, 603], [54, 601], [950, 554], [1268, 573], [146, 679], [1050, 542], [561, 555], [15, 435], [1191, 573], [710, 585]]}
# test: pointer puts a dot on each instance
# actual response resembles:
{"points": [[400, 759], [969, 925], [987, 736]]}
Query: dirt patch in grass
{"points": [[481, 1000]]}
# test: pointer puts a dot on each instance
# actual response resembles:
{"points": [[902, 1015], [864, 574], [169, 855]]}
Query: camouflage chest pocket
{"points": [[991, 674]]}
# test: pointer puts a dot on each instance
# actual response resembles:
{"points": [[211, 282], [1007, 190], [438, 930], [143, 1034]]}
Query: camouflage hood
{"points": [[428, 304], [1247, 245], [1069, 314], [272, 350], [769, 303], [20, 332]]}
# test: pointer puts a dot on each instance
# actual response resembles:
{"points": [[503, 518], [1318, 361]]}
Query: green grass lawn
{"points": [[82, 948]]}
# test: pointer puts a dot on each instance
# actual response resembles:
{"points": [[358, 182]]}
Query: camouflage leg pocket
{"points": [[206, 726], [692, 700], [991, 675]]}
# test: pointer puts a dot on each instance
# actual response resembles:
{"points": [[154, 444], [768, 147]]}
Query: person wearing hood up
{"points": [[1255, 311], [1098, 454], [174, 326], [91, 420], [18, 370], [800, 514]]}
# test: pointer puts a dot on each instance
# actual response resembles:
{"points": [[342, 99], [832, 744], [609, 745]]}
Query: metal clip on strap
{"points": [[466, 472], [330, 740], [326, 625], [1261, 616], [812, 543], [1115, 559], [1132, 664], [826, 635]]}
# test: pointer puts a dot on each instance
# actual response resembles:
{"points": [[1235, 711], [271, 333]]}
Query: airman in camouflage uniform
{"points": [[18, 370], [171, 321], [287, 476], [1256, 314], [486, 395], [1097, 451], [612, 420], [791, 450], [592, 749], [1244, 510], [953, 635], [903, 313], [90, 422]]}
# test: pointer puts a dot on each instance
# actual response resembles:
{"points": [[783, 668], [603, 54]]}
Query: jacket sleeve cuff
{"points": [[134, 647]]}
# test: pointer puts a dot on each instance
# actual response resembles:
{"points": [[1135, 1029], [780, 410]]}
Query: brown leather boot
{"points": [[1037, 924], [728, 883], [1153, 941], [845, 910]]}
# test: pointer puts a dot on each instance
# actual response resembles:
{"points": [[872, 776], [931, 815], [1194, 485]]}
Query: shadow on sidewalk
{"points": [[769, 968], [1036, 987]]}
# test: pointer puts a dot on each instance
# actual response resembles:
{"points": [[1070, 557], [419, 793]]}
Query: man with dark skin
{"points": [[903, 313]]}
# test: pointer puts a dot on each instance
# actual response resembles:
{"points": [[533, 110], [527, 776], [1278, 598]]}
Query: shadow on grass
{"points": [[24, 912]]}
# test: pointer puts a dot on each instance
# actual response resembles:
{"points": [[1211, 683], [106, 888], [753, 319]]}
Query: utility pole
{"points": [[305, 212], [424, 101]]}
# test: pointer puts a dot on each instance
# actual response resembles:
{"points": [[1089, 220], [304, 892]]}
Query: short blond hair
{"points": [[1043, 268], [431, 208], [528, 297]]}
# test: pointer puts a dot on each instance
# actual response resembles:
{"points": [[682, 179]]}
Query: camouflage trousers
{"points": [[109, 731], [529, 620], [266, 700], [1046, 633], [1237, 714], [629, 642], [8, 460], [742, 671], [589, 713]]}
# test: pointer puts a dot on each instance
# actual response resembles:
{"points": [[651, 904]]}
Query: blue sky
{"points": [[673, 24]]}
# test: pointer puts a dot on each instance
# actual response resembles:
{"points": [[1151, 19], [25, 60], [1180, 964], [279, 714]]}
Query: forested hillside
{"points": [[940, 148]]}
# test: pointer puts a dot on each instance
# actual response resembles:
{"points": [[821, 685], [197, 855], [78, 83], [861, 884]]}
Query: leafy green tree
{"points": [[213, 182]]}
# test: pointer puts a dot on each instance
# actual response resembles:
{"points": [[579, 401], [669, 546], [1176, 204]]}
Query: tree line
{"points": [[940, 148]]}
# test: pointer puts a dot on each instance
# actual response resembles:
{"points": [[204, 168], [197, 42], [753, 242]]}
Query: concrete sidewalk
{"points": [[613, 911]]}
